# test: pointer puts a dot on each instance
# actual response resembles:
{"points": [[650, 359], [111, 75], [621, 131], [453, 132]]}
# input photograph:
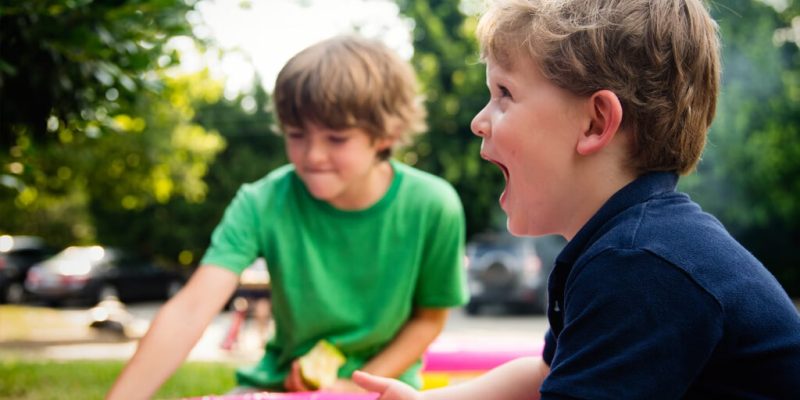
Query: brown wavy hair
{"points": [[660, 57], [346, 82]]}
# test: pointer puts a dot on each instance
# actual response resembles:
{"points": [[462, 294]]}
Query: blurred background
{"points": [[126, 127], [129, 124]]}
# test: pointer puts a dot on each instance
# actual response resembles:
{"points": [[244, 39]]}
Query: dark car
{"points": [[510, 271], [17, 255], [93, 273]]}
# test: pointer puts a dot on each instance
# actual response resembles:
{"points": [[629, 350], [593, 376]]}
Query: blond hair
{"points": [[660, 57], [346, 82]]}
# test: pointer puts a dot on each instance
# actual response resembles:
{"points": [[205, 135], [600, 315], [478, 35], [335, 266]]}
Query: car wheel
{"points": [[15, 294], [173, 288], [524, 308], [473, 308], [107, 291]]}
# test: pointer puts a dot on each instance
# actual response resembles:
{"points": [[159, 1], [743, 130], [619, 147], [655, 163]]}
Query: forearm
{"points": [[516, 380], [158, 355], [172, 335], [409, 344]]}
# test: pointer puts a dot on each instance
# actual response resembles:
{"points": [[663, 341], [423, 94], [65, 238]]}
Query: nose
{"points": [[315, 152], [480, 124]]}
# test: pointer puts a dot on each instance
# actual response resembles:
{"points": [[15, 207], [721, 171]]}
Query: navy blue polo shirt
{"points": [[653, 299]]}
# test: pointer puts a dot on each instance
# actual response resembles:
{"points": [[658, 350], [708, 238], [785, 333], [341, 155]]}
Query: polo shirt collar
{"points": [[638, 191]]}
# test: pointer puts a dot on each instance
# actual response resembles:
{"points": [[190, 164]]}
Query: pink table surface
{"points": [[454, 356], [292, 396]]}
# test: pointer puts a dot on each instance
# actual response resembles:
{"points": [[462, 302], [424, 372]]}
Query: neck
{"points": [[375, 185], [600, 190]]}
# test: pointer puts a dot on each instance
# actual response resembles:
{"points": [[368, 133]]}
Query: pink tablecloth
{"points": [[292, 396], [455, 356]]}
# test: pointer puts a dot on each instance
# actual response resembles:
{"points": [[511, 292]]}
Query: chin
{"points": [[321, 195], [514, 229]]}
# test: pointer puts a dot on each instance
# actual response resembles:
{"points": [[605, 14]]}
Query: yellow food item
{"points": [[320, 366]]}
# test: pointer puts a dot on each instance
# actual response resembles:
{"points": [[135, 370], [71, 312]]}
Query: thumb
{"points": [[371, 382]]}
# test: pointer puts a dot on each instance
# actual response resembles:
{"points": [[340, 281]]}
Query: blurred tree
{"points": [[253, 149], [63, 62], [180, 229], [132, 180], [84, 189], [91, 124], [750, 173], [453, 80]]}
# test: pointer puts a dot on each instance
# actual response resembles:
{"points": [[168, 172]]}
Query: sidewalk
{"points": [[58, 334], [46, 333]]}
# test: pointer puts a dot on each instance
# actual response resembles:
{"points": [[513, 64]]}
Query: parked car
{"points": [[510, 271], [17, 256], [94, 273]]}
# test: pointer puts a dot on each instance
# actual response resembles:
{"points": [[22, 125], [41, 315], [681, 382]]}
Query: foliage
{"points": [[132, 202], [253, 149], [102, 186], [74, 62], [179, 229], [98, 130], [750, 173], [44, 380], [446, 60]]}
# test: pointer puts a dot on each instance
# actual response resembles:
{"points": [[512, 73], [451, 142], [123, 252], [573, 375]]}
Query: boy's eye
{"points": [[295, 135], [337, 139], [504, 92]]}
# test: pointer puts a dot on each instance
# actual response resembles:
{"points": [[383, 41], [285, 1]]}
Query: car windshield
{"points": [[92, 254], [78, 260]]}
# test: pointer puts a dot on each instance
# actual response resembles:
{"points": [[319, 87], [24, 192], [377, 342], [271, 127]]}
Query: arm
{"points": [[174, 332], [409, 344], [516, 380]]}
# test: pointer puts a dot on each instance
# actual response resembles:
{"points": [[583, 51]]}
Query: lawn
{"points": [[44, 380]]}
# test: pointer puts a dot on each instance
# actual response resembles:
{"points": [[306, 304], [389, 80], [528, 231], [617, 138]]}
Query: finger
{"points": [[371, 382], [345, 386], [297, 377], [288, 382], [292, 378]]}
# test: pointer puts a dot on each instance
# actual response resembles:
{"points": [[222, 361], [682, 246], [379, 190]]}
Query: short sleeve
{"points": [[442, 281], [234, 243], [635, 326]]}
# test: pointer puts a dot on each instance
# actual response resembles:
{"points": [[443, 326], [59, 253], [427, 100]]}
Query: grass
{"points": [[45, 380]]}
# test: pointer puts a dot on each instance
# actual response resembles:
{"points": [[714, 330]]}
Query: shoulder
{"points": [[673, 227], [279, 177], [425, 187], [277, 183], [672, 231], [628, 273]]}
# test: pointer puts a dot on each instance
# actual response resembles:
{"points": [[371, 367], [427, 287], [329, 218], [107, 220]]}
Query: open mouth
{"points": [[499, 165]]}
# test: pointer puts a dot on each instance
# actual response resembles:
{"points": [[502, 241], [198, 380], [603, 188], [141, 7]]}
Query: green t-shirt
{"points": [[351, 277]]}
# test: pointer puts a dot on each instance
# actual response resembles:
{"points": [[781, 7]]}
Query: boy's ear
{"points": [[605, 120], [385, 142]]}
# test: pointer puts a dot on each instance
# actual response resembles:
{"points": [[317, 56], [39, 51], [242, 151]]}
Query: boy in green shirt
{"points": [[363, 251]]}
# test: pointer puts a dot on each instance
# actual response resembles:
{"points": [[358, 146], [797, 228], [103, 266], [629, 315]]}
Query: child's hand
{"points": [[389, 389], [294, 381], [344, 386]]}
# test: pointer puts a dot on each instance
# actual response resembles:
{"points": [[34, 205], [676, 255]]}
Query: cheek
{"points": [[293, 149]]}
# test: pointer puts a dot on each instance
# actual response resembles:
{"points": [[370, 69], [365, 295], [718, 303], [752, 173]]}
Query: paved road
{"points": [[493, 328]]}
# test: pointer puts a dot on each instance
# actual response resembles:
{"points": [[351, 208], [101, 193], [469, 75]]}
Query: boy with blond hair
{"points": [[363, 251], [596, 108]]}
